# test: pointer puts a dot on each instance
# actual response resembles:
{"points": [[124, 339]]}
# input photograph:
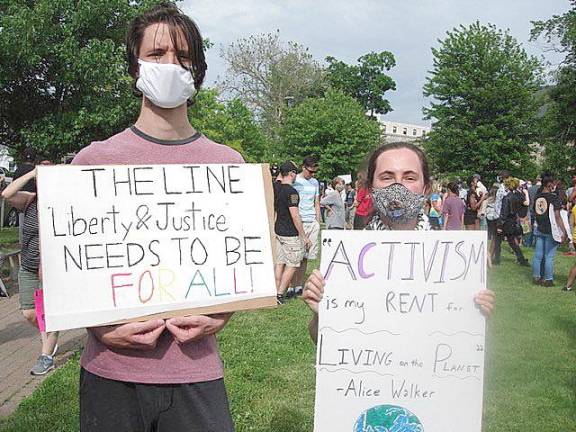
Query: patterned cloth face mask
{"points": [[397, 204]]}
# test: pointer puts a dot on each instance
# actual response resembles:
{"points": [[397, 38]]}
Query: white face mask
{"points": [[166, 85]]}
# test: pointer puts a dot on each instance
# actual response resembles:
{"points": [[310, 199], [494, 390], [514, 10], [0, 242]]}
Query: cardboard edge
{"points": [[269, 195], [237, 306]]}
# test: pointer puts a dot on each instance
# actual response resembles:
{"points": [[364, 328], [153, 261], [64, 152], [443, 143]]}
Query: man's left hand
{"points": [[192, 328]]}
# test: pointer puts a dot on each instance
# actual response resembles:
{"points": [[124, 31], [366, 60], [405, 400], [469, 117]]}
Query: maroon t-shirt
{"points": [[454, 208], [169, 363]]}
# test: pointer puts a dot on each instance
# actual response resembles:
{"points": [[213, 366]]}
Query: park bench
{"points": [[12, 256]]}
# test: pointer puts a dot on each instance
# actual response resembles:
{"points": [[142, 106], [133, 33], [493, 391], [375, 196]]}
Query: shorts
{"points": [[28, 282], [109, 405], [289, 251], [312, 231]]}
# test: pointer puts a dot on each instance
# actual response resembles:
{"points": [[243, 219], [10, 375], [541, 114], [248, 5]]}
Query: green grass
{"points": [[9, 235], [530, 383]]}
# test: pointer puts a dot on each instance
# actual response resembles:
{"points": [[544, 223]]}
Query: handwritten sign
{"points": [[125, 242], [401, 342]]}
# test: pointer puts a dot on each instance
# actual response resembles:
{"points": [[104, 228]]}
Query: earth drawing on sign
{"points": [[387, 418]]}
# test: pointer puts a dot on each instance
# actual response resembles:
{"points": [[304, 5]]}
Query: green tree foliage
{"points": [[333, 127], [268, 75], [559, 122], [483, 89], [367, 81], [63, 80], [230, 123]]}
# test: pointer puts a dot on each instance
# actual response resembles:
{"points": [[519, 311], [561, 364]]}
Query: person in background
{"points": [[362, 203], [530, 240], [398, 173], [453, 208], [462, 190], [546, 246], [572, 220], [491, 220], [500, 194], [480, 188], [335, 213], [473, 202], [435, 212], [291, 241], [349, 203], [514, 206], [309, 190], [29, 159], [28, 275]]}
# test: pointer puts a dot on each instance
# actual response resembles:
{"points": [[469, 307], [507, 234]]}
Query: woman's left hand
{"points": [[485, 300]]}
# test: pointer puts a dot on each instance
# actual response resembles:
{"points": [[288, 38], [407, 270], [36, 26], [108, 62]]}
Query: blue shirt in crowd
{"points": [[308, 190]]}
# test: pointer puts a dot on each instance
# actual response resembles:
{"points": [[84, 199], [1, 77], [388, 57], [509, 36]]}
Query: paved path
{"points": [[19, 348]]}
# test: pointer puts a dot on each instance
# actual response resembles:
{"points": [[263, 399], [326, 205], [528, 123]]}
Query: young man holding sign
{"points": [[162, 375]]}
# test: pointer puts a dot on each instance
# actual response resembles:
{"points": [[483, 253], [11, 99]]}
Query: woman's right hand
{"points": [[314, 290]]}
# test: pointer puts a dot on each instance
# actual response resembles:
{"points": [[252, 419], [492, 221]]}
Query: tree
{"points": [[333, 127], [229, 123], [484, 103], [63, 80], [268, 75], [559, 121], [367, 82]]}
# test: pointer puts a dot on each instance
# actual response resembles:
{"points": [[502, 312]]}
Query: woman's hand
{"points": [[314, 290], [485, 300]]}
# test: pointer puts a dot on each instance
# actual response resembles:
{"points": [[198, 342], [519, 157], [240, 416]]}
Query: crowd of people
{"points": [[167, 374], [524, 213]]}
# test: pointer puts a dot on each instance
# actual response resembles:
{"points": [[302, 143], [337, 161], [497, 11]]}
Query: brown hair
{"points": [[395, 146], [361, 182], [176, 20], [335, 181]]}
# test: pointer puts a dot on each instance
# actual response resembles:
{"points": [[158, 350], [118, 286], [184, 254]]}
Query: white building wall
{"points": [[396, 131]]}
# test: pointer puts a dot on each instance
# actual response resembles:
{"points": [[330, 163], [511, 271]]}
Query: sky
{"points": [[348, 29]]}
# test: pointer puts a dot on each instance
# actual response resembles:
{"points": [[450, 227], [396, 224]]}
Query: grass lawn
{"points": [[9, 236], [530, 383]]}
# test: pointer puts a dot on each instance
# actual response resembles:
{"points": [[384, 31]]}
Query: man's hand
{"points": [[192, 328], [137, 335]]}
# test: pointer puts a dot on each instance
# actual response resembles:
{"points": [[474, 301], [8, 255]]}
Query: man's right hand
{"points": [[307, 243], [137, 335]]}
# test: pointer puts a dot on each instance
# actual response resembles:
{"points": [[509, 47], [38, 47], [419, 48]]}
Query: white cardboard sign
{"points": [[123, 242], [401, 342]]}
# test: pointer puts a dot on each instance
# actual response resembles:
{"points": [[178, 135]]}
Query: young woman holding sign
{"points": [[28, 274], [399, 179]]}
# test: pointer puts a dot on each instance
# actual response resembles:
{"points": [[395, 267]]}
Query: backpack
{"points": [[491, 210], [517, 205]]}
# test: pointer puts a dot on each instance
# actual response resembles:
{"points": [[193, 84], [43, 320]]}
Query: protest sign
{"points": [[126, 242], [400, 340]]}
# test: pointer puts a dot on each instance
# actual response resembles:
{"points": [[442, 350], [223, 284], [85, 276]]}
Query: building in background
{"points": [[395, 131]]}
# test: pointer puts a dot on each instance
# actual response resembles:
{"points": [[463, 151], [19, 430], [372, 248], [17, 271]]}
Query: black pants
{"points": [[513, 244], [108, 405]]}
